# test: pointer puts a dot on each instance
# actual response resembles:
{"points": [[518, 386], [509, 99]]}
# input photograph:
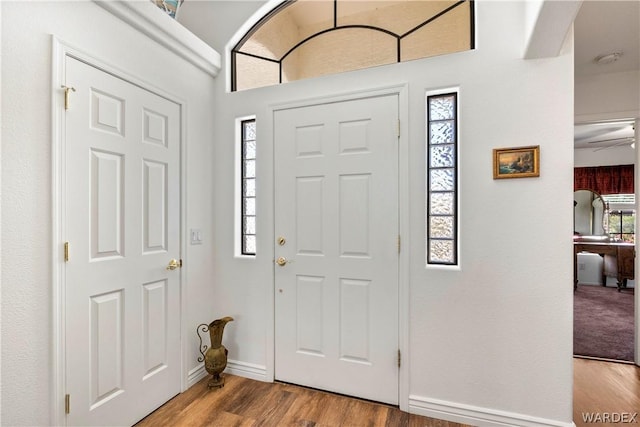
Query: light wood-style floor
{"points": [[604, 387], [599, 387], [243, 403]]}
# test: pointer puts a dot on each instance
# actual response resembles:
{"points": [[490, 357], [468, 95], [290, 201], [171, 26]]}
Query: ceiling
{"points": [[601, 28], [604, 135]]}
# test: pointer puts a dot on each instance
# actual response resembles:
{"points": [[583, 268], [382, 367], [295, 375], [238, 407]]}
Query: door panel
{"points": [[154, 206], [107, 345], [122, 192], [107, 214], [309, 218], [336, 203], [354, 218]]}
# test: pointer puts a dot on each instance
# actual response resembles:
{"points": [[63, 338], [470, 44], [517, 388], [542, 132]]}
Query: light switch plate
{"points": [[196, 236]]}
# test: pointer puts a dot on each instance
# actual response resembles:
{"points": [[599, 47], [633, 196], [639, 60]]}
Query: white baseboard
{"points": [[234, 367], [195, 375], [247, 370], [476, 416]]}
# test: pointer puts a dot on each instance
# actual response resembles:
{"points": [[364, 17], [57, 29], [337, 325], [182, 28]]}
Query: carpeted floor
{"points": [[603, 322]]}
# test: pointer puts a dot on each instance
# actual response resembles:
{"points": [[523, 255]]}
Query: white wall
{"points": [[495, 335], [623, 155], [607, 96], [26, 182]]}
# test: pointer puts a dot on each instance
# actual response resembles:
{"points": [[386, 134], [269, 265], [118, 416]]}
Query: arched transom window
{"points": [[309, 38]]}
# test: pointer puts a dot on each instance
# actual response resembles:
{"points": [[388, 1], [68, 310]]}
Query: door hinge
{"points": [[67, 404], [399, 358], [399, 243], [66, 251], [67, 91], [398, 128]]}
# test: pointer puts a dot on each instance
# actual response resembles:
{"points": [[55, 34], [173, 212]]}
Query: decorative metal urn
{"points": [[215, 357]]}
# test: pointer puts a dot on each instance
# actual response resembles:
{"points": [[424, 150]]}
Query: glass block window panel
{"points": [[441, 132], [309, 38], [248, 198], [441, 251], [442, 156], [249, 245], [442, 179], [441, 204], [441, 226]]}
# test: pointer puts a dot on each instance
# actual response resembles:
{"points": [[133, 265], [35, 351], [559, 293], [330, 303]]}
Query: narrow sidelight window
{"points": [[248, 190], [442, 179]]}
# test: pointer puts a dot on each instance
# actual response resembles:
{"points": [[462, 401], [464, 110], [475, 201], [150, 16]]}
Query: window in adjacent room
{"points": [[442, 179], [310, 38], [248, 186], [622, 217]]}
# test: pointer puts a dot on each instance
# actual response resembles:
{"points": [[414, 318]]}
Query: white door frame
{"points": [[402, 92], [60, 51]]}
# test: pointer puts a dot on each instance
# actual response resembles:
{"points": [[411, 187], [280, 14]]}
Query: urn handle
{"points": [[203, 347]]}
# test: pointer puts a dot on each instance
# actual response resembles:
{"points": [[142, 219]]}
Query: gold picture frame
{"points": [[516, 162]]}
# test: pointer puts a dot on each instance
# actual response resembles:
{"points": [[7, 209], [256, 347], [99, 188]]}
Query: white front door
{"points": [[122, 214], [336, 225]]}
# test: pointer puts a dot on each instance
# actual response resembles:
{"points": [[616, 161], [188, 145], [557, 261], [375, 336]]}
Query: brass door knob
{"points": [[281, 261], [173, 264]]}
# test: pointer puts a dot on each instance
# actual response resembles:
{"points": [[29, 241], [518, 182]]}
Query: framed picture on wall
{"points": [[516, 162]]}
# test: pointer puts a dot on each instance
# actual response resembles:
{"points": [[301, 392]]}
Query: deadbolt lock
{"points": [[282, 241]]}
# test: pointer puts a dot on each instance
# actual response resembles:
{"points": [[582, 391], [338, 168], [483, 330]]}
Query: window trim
{"points": [[239, 217]]}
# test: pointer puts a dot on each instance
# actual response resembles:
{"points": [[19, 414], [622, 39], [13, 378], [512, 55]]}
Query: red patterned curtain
{"points": [[605, 179]]}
